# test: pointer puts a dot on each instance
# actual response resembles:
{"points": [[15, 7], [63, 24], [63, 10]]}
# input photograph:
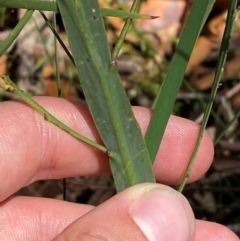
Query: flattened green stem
{"points": [[219, 69], [52, 6], [10, 86], [15, 32]]}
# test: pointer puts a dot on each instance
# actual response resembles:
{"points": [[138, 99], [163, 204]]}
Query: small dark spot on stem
{"points": [[45, 117], [88, 60], [10, 89], [109, 153], [94, 17]]}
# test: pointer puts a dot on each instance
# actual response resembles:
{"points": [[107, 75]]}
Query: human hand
{"points": [[33, 149]]}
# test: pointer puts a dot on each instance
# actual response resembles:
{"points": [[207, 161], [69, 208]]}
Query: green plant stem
{"points": [[43, 41], [126, 27], [204, 103], [59, 89], [10, 86], [219, 69], [123, 14], [236, 117], [57, 36], [15, 32], [52, 6]]}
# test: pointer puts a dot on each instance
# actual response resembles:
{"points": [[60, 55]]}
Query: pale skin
{"points": [[33, 149]]}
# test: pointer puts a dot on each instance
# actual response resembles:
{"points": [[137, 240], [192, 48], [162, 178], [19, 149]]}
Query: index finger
{"points": [[34, 149]]}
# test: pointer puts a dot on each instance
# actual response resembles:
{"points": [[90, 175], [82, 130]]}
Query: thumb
{"points": [[144, 212]]}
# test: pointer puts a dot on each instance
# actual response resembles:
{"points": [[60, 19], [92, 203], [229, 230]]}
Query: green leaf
{"points": [[4, 45], [105, 95], [165, 100]]}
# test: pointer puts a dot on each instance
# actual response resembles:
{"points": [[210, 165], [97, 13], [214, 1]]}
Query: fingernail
{"points": [[162, 215]]}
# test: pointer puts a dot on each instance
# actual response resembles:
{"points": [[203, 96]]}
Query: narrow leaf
{"points": [[4, 45], [166, 98]]}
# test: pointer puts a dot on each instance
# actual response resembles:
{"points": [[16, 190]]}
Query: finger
{"points": [[29, 218], [142, 210], [213, 231], [33, 149], [176, 149]]}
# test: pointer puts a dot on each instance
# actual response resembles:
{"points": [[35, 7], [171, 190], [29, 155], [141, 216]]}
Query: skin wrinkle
{"points": [[45, 131], [14, 135], [47, 166], [37, 122], [84, 121], [3, 165], [77, 118]]}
